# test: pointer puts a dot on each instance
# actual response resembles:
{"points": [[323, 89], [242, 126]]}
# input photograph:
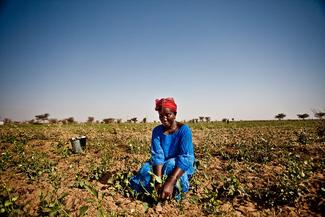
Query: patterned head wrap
{"points": [[166, 103]]}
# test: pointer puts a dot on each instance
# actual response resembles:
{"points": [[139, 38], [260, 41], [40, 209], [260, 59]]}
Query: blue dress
{"points": [[172, 150]]}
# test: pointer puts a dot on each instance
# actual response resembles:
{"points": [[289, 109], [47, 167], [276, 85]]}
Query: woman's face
{"points": [[167, 117]]}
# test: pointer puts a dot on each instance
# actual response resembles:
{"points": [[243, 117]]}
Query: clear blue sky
{"points": [[237, 59]]}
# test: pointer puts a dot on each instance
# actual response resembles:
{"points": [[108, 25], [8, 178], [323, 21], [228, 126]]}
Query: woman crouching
{"points": [[172, 155]]}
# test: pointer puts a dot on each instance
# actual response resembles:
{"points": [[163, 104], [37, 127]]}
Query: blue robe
{"points": [[172, 150]]}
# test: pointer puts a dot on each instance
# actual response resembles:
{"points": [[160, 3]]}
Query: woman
{"points": [[172, 154]]}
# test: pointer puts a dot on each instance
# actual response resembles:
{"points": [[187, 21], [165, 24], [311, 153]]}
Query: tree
{"points": [[303, 116], [53, 121], [207, 119], [70, 120], [42, 116], [108, 120], [225, 120], [280, 116], [134, 120], [7, 121], [144, 120], [90, 120], [320, 115], [201, 119]]}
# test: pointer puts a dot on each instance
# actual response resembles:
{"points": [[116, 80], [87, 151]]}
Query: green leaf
{"points": [[63, 195], [46, 210], [14, 198], [159, 180], [92, 190], [89, 200], [101, 212], [83, 210], [54, 211], [146, 207], [8, 203], [179, 186], [156, 178]]}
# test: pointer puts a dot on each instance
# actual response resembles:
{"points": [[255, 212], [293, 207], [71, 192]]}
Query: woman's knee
{"points": [[145, 168], [169, 166]]}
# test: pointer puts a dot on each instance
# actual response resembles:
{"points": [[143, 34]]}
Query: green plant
{"points": [[320, 131], [18, 147], [55, 179], [302, 138], [8, 205], [287, 187], [5, 160], [211, 200], [137, 145], [79, 182], [231, 187], [52, 205], [120, 182], [278, 193], [35, 165], [62, 150], [97, 199], [154, 195], [96, 172]]}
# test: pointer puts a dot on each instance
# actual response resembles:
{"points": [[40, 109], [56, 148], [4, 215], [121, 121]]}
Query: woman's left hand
{"points": [[168, 188]]}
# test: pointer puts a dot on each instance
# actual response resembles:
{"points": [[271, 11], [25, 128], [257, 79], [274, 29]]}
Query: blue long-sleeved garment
{"points": [[177, 145], [172, 150]]}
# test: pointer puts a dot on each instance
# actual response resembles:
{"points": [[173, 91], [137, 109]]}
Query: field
{"points": [[245, 168]]}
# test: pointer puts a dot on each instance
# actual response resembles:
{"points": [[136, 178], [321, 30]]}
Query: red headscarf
{"points": [[166, 103]]}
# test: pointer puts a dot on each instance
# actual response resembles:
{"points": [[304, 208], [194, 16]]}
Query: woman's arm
{"points": [[157, 153], [168, 187], [157, 156], [184, 161], [185, 157], [158, 170]]}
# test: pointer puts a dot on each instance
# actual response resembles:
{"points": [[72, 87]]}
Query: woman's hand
{"points": [[168, 188]]}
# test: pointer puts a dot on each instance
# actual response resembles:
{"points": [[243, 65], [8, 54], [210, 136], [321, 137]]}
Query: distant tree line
{"points": [[319, 115], [44, 119]]}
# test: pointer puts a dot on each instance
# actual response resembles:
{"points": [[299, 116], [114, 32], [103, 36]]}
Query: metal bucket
{"points": [[78, 144]]}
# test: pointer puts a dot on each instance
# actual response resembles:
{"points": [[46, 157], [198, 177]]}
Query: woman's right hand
{"points": [[168, 188]]}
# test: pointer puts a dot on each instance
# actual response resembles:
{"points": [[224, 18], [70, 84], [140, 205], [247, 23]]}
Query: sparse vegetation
{"points": [[250, 167]]}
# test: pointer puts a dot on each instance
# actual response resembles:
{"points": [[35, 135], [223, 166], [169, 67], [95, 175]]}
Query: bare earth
{"points": [[273, 168]]}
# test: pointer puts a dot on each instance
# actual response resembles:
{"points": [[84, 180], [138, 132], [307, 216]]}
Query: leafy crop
{"points": [[228, 190], [96, 172], [120, 182], [96, 199], [52, 205], [35, 165], [271, 167], [8, 205]]}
